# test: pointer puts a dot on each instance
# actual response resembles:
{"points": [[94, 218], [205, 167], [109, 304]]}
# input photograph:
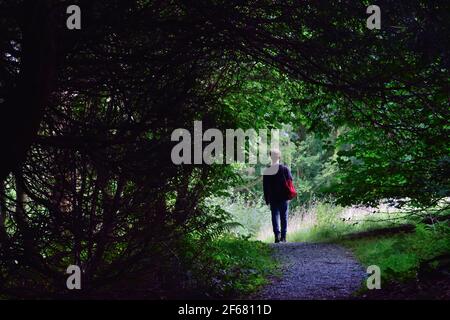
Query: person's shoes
{"points": [[283, 239], [277, 238]]}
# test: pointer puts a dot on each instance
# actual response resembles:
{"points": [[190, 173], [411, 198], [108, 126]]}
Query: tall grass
{"points": [[252, 215], [313, 221], [327, 222]]}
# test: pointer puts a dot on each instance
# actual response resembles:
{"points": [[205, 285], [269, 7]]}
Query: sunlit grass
{"points": [[399, 256]]}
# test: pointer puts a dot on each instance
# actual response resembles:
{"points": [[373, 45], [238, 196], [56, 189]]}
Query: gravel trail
{"points": [[313, 271]]}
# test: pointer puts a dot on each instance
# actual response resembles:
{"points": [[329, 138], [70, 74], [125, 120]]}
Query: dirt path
{"points": [[313, 271]]}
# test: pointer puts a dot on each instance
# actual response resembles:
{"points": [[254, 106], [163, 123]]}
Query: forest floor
{"points": [[313, 271]]}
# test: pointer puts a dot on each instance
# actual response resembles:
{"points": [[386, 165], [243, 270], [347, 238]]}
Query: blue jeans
{"points": [[279, 214]]}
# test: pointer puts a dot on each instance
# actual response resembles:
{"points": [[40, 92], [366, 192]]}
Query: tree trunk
{"points": [[23, 108]]}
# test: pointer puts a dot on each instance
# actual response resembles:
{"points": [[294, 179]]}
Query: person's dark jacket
{"points": [[274, 185]]}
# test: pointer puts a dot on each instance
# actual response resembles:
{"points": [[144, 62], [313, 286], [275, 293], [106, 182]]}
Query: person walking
{"points": [[278, 190]]}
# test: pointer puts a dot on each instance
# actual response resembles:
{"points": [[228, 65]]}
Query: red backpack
{"points": [[291, 193]]}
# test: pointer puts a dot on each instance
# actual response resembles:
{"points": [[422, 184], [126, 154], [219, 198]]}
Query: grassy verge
{"points": [[400, 256], [232, 266]]}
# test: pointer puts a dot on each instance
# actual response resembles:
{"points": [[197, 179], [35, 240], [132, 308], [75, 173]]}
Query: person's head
{"points": [[275, 155]]}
